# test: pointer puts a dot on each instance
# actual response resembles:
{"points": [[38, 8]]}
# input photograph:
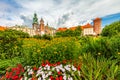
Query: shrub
{"points": [[10, 45]]}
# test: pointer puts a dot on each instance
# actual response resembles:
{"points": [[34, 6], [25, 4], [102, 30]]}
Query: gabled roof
{"points": [[2, 28], [73, 28], [62, 29], [86, 26]]}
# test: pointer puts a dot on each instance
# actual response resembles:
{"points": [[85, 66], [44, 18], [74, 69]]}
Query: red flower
{"points": [[57, 78], [51, 77], [47, 62], [22, 70], [54, 65], [17, 72], [61, 78], [19, 65], [78, 68], [50, 64], [58, 63], [59, 73], [15, 77], [35, 68], [64, 61], [32, 79], [43, 64]]}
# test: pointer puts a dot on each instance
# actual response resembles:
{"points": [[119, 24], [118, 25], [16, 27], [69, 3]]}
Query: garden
{"points": [[62, 57]]}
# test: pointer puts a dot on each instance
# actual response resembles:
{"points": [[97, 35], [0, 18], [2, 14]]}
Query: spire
{"points": [[41, 21], [35, 19], [47, 23]]}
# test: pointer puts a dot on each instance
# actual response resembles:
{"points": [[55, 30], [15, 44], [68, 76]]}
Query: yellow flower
{"points": [[99, 53], [55, 52]]}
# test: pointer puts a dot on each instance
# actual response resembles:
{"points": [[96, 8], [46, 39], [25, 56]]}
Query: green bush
{"points": [[100, 46], [10, 44], [37, 36]]}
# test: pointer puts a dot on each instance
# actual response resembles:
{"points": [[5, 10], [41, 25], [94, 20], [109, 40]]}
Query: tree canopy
{"points": [[112, 29], [68, 33]]}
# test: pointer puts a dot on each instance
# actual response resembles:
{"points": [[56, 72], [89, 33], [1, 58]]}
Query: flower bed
{"points": [[46, 71]]}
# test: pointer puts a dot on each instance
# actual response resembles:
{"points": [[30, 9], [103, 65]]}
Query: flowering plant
{"points": [[46, 71], [14, 73]]}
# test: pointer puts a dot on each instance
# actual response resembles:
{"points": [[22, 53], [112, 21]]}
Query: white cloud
{"points": [[55, 12]]}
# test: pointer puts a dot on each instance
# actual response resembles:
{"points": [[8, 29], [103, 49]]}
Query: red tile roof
{"points": [[73, 28], [2, 28], [86, 26], [62, 29]]}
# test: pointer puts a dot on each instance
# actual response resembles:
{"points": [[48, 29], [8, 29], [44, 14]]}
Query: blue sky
{"points": [[106, 20], [58, 13]]}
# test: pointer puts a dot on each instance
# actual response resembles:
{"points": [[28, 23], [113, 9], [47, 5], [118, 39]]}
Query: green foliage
{"points": [[111, 30], [6, 63], [46, 37], [54, 52], [100, 69], [10, 45], [100, 46], [100, 56], [37, 36], [69, 33]]}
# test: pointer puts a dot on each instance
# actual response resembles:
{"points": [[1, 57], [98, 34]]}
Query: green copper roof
{"points": [[35, 19]]}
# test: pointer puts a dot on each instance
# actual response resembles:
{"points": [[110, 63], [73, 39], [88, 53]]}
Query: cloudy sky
{"points": [[58, 13]]}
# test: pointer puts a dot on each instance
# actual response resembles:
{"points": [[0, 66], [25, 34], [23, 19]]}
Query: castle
{"points": [[94, 29], [41, 29], [88, 29]]}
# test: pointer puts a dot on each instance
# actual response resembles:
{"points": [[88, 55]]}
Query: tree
{"points": [[10, 45], [112, 29], [68, 33]]}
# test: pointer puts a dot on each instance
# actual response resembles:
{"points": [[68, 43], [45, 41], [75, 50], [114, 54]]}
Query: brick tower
{"points": [[97, 25], [42, 27]]}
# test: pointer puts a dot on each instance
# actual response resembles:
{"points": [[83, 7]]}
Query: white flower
{"points": [[25, 78], [29, 78], [67, 67], [53, 68], [63, 70], [57, 69], [39, 78], [64, 77], [48, 67], [70, 78], [30, 72], [49, 73], [73, 68], [43, 76]]}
